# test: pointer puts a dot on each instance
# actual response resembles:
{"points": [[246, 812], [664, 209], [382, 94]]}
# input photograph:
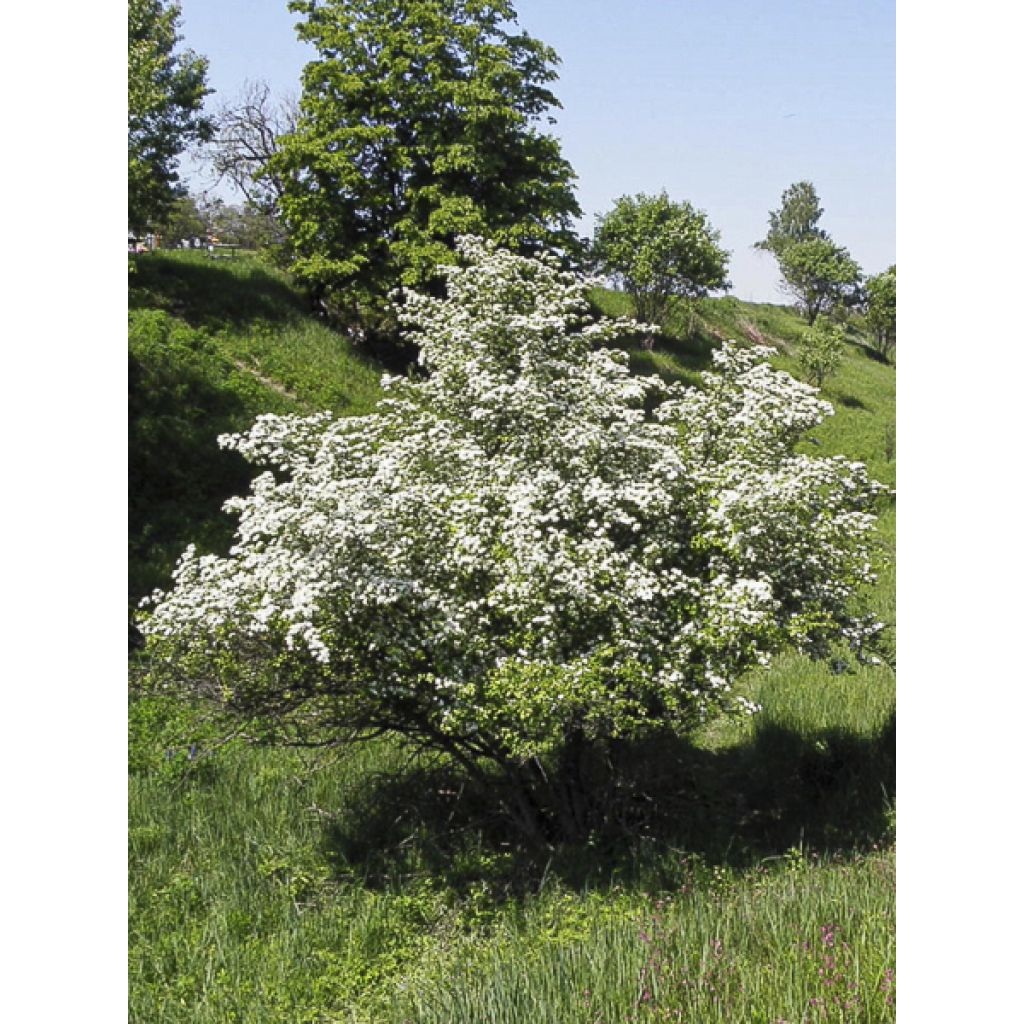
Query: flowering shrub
{"points": [[511, 560]]}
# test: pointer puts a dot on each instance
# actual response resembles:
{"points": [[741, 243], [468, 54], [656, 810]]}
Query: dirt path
{"points": [[266, 381]]}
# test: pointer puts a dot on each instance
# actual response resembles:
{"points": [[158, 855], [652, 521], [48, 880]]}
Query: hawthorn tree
{"points": [[511, 561], [880, 291], [657, 250], [166, 88], [418, 122]]}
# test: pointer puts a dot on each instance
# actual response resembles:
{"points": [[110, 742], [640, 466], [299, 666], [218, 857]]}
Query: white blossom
{"points": [[510, 543]]}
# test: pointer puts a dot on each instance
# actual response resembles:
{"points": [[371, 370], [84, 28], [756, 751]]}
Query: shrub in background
{"points": [[659, 250], [821, 351], [881, 311]]}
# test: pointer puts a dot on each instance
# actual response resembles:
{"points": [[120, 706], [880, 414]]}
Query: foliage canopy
{"points": [[881, 310], [511, 560], [165, 93], [796, 219], [820, 275], [658, 249], [417, 123]]}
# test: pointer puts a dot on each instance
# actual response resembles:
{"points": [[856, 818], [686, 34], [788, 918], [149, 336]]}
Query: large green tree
{"points": [[166, 88], [418, 122], [658, 249]]}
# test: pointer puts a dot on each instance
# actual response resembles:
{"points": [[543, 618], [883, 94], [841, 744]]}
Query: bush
{"points": [[659, 250], [881, 311], [510, 561], [821, 351]]}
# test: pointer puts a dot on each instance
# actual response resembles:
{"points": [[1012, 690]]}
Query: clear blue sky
{"points": [[721, 102]]}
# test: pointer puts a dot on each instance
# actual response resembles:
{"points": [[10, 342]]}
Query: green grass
{"points": [[264, 890], [717, 949], [257, 318], [212, 344], [751, 877]]}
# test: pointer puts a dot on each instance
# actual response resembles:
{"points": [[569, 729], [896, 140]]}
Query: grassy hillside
{"points": [[756, 883], [211, 345]]}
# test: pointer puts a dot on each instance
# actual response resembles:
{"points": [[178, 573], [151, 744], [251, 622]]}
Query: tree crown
{"points": [[657, 248], [417, 123], [881, 310], [165, 93], [820, 274], [796, 220]]}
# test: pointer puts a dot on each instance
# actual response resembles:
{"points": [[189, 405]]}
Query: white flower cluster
{"points": [[511, 545]]}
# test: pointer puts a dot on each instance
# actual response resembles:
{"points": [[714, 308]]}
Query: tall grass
{"points": [[797, 942]]}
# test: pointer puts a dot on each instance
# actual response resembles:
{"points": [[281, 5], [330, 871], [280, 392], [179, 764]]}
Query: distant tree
{"points": [[821, 351], [819, 274], [184, 222], [165, 92], [249, 226], [418, 123], [247, 136], [658, 249], [880, 293], [796, 220]]}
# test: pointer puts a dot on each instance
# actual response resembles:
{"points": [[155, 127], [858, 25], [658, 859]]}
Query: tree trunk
{"points": [[568, 791]]}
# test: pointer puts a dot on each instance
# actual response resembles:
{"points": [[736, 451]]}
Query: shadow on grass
{"points": [[869, 351], [208, 294], [242, 292], [851, 402], [829, 790], [182, 395], [671, 357]]}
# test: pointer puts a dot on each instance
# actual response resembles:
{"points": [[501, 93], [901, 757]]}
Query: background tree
{"points": [[880, 292], [165, 93], [656, 250], [199, 216], [185, 221], [417, 123], [518, 566], [248, 133], [247, 225], [821, 351], [796, 220], [820, 275]]}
